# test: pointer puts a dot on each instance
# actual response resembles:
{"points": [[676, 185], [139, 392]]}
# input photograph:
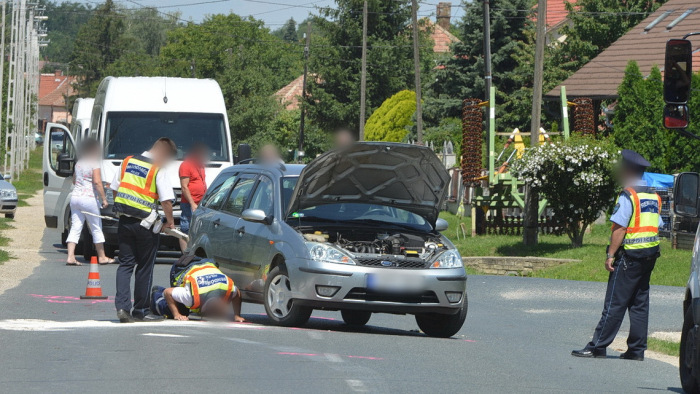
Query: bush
{"points": [[576, 177], [391, 120]]}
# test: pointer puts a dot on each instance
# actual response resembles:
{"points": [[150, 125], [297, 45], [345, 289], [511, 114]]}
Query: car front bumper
{"points": [[353, 291], [8, 205]]}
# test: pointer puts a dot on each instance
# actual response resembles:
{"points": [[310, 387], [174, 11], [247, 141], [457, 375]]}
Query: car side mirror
{"points": [[65, 165], [441, 224], [686, 190], [256, 216]]}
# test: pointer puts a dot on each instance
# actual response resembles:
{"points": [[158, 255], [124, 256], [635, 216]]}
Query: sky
{"points": [[273, 12]]}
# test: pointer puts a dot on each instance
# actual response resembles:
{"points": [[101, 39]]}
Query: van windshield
{"points": [[129, 133]]}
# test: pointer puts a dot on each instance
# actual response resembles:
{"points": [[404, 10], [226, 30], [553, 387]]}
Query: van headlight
{"points": [[448, 259], [324, 253]]}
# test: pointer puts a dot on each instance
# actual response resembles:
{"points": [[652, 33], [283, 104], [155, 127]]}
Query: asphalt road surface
{"points": [[517, 338]]}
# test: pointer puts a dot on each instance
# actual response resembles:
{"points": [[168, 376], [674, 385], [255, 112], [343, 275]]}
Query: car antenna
{"points": [[165, 90]]}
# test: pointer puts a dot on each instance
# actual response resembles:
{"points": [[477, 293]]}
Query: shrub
{"points": [[576, 177], [390, 121]]}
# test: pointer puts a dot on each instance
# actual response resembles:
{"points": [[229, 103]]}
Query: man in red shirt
{"points": [[194, 185]]}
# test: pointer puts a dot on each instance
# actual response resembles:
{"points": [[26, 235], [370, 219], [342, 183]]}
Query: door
{"points": [[259, 234], [207, 218], [234, 243], [58, 162]]}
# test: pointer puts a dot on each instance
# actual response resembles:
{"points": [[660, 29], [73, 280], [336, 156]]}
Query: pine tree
{"points": [[289, 31]]}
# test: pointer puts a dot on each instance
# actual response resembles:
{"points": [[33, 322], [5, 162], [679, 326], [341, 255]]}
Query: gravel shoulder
{"points": [[25, 241]]}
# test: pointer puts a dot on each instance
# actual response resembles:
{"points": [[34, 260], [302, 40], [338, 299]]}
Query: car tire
{"points": [[87, 244], [9, 215], [688, 359], [280, 308], [355, 318], [440, 325], [110, 251]]}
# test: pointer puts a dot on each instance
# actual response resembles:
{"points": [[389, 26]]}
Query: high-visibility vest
{"points": [[206, 282], [642, 237], [137, 195]]}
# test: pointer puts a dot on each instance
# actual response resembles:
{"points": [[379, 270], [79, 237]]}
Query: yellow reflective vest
{"points": [[137, 195], [642, 237], [206, 282]]}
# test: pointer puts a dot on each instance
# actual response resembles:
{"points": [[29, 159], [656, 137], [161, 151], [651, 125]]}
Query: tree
{"points": [[98, 44], [335, 59], [561, 171], [289, 31], [389, 122], [462, 76], [283, 132], [65, 21]]}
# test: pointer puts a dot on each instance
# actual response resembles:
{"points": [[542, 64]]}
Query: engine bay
{"points": [[363, 242]]}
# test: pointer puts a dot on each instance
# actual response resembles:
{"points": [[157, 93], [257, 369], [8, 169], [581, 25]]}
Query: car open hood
{"points": [[405, 176]]}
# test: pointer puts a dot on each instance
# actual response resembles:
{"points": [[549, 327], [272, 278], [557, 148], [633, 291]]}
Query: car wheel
{"points": [[689, 355], [10, 215], [355, 318], [279, 305], [443, 326], [110, 251], [87, 244]]}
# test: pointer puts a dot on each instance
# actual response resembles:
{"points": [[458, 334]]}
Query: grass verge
{"points": [[665, 347], [30, 180], [671, 269]]}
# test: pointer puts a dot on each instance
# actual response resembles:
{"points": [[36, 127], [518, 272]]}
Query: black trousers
{"points": [[628, 290], [137, 250]]}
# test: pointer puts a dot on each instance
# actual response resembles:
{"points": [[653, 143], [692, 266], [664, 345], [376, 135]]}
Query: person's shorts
{"points": [[185, 217]]}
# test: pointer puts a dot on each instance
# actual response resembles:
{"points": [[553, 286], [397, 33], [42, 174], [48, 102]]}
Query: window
{"points": [[218, 191], [239, 196], [61, 144], [263, 197]]}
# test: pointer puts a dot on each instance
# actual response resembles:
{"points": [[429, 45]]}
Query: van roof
{"points": [[162, 94]]}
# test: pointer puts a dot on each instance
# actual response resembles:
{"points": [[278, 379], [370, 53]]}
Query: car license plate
{"points": [[394, 282]]}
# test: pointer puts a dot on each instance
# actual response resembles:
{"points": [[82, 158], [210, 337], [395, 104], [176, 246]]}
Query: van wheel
{"points": [[87, 244], [688, 362], [355, 318], [279, 305], [9, 215], [443, 326]]}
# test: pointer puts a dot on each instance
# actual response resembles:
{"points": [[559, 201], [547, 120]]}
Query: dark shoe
{"points": [[124, 316], [626, 356], [149, 318], [588, 353]]}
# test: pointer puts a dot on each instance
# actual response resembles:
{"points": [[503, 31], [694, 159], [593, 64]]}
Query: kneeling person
{"points": [[199, 287]]}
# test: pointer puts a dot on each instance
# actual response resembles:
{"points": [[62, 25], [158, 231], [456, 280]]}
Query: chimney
{"points": [[444, 13], [58, 73]]}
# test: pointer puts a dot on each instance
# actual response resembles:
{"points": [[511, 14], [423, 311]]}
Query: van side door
{"points": [[58, 163]]}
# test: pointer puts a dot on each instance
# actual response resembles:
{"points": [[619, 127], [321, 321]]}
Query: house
{"points": [[440, 34], [54, 90], [557, 18], [645, 44]]}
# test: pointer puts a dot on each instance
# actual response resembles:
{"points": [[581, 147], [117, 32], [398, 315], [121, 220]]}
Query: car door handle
{"points": [[240, 230], [217, 222]]}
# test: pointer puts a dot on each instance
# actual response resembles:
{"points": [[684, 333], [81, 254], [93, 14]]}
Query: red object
{"points": [[198, 183], [94, 287]]}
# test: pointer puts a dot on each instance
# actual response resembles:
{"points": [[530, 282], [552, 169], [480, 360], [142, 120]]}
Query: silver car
{"points": [[357, 230], [8, 199]]}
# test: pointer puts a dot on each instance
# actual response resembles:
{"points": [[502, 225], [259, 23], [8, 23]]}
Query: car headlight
{"points": [[108, 192], [7, 193], [324, 253], [448, 259]]}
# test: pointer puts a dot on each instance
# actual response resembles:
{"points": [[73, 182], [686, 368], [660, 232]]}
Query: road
{"points": [[517, 338]]}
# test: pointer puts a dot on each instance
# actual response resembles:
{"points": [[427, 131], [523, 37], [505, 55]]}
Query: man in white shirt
{"points": [[135, 203]]}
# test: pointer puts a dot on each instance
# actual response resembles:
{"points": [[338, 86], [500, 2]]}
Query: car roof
{"points": [[282, 170]]}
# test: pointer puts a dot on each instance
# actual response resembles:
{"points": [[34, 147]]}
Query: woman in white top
{"points": [[88, 196]]}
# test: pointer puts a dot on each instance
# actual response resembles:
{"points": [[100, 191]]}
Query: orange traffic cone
{"points": [[94, 288]]}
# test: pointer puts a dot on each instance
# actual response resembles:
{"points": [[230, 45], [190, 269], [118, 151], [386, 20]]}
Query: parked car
{"points": [[38, 139], [686, 201], [8, 199], [357, 230]]}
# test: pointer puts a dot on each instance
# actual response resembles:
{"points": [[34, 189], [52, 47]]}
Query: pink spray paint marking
{"points": [[68, 299], [318, 355]]}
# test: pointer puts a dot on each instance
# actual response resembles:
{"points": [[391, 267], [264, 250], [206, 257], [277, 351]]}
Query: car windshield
{"points": [[359, 213], [128, 133]]}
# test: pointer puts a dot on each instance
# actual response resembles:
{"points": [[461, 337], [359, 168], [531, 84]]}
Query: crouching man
{"points": [[198, 286]]}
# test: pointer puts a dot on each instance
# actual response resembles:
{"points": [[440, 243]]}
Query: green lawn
{"points": [[30, 180], [672, 268], [665, 347]]}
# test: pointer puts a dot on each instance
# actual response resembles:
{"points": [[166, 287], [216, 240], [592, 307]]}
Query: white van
{"points": [[129, 114], [80, 122]]}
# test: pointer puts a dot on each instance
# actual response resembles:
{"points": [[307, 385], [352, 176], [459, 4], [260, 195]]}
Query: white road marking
{"points": [[356, 385], [155, 334], [51, 325]]}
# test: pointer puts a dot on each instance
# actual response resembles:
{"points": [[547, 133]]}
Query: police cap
{"points": [[633, 159]]}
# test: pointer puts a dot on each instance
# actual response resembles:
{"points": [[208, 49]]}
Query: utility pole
{"points": [[530, 223], [363, 76], [302, 103], [487, 52], [9, 137], [2, 60], [416, 66]]}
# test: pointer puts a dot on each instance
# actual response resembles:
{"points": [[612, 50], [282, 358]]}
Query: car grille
{"points": [[409, 263], [362, 294]]}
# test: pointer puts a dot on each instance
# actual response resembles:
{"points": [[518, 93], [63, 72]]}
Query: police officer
{"points": [[631, 256], [198, 286], [137, 188]]}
